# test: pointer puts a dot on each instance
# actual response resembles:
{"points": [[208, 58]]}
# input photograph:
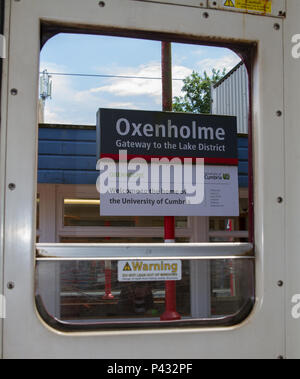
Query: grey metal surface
{"points": [[193, 251], [230, 97]]}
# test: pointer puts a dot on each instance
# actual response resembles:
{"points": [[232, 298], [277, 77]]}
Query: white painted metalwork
{"points": [[115, 252], [189, 3], [3, 164], [230, 96], [291, 115], [263, 334]]}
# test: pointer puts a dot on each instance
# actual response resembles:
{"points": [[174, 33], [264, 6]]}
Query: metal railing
{"points": [[116, 252]]}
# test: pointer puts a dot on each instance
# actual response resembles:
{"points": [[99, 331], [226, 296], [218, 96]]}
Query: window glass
{"points": [[117, 240], [91, 293], [82, 288], [231, 229], [85, 212]]}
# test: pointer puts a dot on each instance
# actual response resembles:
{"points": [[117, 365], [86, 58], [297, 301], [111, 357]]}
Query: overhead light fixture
{"points": [[81, 202]]}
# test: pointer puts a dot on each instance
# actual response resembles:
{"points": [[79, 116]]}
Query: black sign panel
{"points": [[167, 134]]}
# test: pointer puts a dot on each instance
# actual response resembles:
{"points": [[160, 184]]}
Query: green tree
{"points": [[197, 92]]}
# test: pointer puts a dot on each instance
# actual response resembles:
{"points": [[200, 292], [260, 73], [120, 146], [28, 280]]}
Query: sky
{"points": [[76, 99]]}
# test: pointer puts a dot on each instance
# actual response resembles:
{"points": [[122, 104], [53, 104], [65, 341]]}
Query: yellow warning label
{"points": [[264, 6], [149, 271], [229, 3], [127, 267]]}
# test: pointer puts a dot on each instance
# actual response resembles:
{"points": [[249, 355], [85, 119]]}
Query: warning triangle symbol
{"points": [[127, 267], [229, 3]]}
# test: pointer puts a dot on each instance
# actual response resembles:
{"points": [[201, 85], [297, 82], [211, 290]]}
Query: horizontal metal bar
{"points": [[190, 251], [203, 258], [229, 234], [104, 231]]}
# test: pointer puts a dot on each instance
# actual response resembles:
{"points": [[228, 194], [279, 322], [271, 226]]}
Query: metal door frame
{"points": [[24, 334]]}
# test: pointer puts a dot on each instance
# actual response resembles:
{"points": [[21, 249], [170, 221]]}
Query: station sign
{"points": [[150, 134], [164, 163], [213, 193]]}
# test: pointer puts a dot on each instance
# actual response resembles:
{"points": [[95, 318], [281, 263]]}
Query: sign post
{"points": [[169, 221], [107, 272], [108, 295]]}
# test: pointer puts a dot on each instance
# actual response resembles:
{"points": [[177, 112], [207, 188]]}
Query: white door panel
{"points": [[25, 335]]}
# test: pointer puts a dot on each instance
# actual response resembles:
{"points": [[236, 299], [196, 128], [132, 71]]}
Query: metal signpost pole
{"points": [[169, 222], [108, 295]]}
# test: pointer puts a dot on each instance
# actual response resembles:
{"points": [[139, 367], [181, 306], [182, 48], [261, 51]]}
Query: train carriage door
{"points": [[2, 56], [29, 331]]}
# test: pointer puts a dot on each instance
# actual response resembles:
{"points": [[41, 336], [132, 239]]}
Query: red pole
{"points": [[170, 297], [232, 277], [108, 295], [169, 222]]}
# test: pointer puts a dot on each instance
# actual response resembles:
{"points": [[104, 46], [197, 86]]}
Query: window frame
{"points": [[19, 228]]}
